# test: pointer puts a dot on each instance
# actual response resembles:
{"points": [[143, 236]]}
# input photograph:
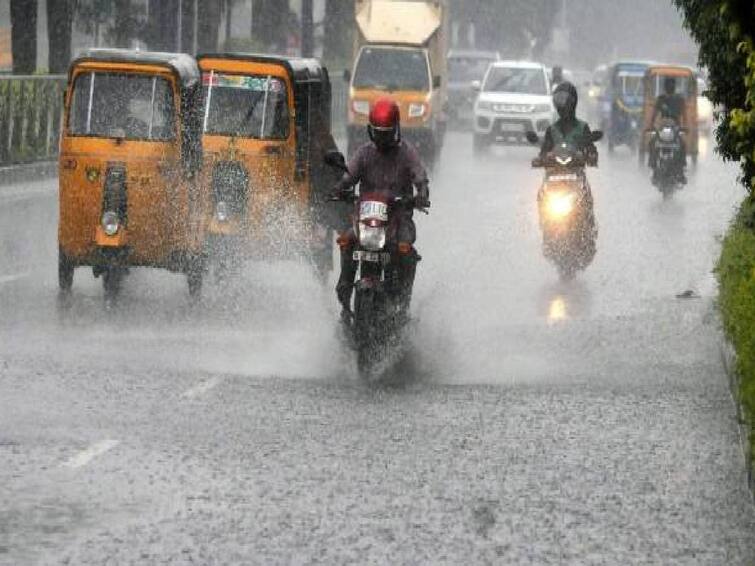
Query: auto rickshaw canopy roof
{"points": [[671, 70], [183, 66], [300, 70]]}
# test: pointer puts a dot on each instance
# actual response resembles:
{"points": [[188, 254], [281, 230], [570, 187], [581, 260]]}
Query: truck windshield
{"points": [[516, 80], [467, 69], [121, 105], [249, 106], [392, 70]]}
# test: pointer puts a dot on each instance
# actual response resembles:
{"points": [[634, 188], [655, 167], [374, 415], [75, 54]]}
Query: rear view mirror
{"points": [[476, 86], [336, 160], [532, 137], [346, 76], [437, 81], [596, 136]]}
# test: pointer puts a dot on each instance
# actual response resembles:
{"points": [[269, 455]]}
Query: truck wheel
{"points": [[65, 272]]}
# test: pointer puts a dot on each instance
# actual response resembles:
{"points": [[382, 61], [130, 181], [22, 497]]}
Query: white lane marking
{"points": [[202, 388], [12, 278], [85, 456]]}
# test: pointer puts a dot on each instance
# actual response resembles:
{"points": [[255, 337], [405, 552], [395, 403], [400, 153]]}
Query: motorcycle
{"points": [[565, 208], [382, 297], [668, 167]]}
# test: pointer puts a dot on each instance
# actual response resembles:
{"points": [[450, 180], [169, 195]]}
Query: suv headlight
{"points": [[542, 108], [484, 105]]}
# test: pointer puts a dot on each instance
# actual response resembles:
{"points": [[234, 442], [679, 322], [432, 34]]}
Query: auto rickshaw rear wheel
{"points": [[65, 272]]}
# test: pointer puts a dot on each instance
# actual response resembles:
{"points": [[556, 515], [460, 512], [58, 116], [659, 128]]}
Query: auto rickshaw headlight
{"points": [[110, 223], [221, 211]]}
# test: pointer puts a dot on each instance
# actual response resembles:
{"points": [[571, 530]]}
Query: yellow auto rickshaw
{"points": [[686, 86], [130, 155], [266, 125]]}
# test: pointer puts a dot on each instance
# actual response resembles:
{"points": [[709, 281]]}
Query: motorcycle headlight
{"points": [[484, 105], [110, 223], [361, 107], [560, 205], [417, 110], [372, 238], [221, 211], [666, 135]]}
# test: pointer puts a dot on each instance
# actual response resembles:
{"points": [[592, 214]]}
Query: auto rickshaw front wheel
{"points": [[112, 277], [194, 277], [65, 272]]}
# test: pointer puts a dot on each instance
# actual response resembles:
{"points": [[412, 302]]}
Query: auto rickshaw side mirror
{"points": [[346, 76], [336, 160], [532, 137], [596, 136]]}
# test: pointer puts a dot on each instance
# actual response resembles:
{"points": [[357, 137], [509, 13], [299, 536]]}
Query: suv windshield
{"points": [[120, 105], [250, 106], [516, 80], [392, 70], [467, 69]]}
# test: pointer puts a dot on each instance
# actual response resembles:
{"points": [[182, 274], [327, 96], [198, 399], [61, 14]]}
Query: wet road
{"points": [[531, 422]]}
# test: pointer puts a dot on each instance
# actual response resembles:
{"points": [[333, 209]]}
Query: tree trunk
{"points": [[59, 28], [164, 25], [307, 29], [23, 17], [122, 32], [209, 26], [269, 22], [339, 15]]}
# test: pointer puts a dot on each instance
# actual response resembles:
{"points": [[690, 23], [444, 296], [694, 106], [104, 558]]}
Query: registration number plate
{"points": [[508, 127], [372, 257]]}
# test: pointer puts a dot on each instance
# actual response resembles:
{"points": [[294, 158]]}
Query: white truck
{"points": [[400, 52]]}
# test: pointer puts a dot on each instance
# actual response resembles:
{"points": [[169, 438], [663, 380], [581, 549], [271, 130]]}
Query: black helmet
{"points": [[565, 100]]}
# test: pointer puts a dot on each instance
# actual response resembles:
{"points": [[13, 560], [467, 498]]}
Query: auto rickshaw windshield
{"points": [[630, 84], [122, 105], [250, 106]]}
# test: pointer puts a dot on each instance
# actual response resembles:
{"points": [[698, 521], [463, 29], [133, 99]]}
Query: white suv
{"points": [[514, 98]]}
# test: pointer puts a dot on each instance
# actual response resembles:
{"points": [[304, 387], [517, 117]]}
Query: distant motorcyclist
{"points": [[568, 128], [386, 163], [670, 106]]}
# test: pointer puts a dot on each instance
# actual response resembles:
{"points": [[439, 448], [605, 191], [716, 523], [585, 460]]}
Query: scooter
{"points": [[565, 205]]}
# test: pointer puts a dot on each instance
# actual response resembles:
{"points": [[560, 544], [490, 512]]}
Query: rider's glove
{"points": [[422, 200]]}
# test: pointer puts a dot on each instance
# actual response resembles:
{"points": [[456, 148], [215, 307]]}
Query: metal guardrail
{"points": [[30, 117]]}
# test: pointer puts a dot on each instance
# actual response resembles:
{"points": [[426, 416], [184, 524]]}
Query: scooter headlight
{"points": [[110, 223], [372, 238], [666, 135], [560, 205]]}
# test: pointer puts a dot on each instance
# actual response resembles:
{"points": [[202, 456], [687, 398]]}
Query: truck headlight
{"points": [[361, 107], [417, 110], [110, 223]]}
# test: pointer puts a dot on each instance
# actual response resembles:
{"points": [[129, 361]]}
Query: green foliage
{"points": [[736, 274], [724, 30]]}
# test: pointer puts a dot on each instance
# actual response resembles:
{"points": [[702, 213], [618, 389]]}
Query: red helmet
{"points": [[385, 123]]}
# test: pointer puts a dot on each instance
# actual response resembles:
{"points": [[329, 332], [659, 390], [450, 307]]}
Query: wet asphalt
{"points": [[527, 421]]}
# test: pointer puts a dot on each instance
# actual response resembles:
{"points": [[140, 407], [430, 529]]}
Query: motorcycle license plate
{"points": [[371, 257]]}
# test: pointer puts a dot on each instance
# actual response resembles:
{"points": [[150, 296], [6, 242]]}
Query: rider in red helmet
{"points": [[387, 163]]}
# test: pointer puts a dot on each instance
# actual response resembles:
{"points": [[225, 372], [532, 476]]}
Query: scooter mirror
{"points": [[532, 137]]}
